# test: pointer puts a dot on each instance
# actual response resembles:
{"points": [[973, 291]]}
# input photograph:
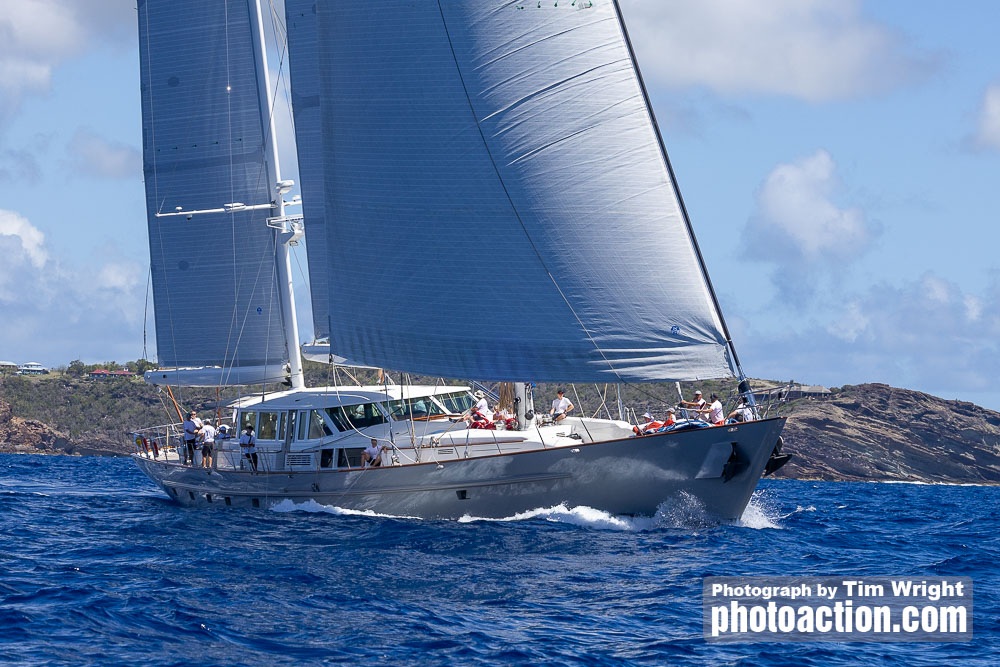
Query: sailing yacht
{"points": [[485, 195]]}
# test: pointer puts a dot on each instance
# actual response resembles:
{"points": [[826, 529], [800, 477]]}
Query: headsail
{"points": [[497, 199], [214, 279]]}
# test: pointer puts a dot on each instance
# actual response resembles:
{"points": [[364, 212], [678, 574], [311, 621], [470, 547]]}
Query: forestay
{"points": [[498, 205]]}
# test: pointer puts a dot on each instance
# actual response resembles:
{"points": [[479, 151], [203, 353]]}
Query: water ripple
{"points": [[97, 567]]}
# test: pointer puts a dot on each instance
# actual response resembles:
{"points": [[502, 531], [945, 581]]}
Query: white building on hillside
{"points": [[32, 368]]}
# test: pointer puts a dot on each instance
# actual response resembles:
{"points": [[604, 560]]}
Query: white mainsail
{"points": [[205, 146], [497, 201]]}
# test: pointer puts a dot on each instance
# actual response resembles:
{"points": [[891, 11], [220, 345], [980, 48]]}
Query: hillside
{"points": [[863, 432], [85, 416], [877, 432]]}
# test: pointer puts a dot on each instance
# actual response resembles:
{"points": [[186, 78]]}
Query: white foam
{"points": [[684, 511], [288, 505], [759, 515], [586, 517]]}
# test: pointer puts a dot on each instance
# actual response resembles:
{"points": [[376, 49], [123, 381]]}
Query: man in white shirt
{"points": [[248, 446], [715, 414], [699, 406], [742, 413], [372, 456], [207, 439], [561, 406]]}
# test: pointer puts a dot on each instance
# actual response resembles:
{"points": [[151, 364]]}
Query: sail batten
{"points": [[215, 296], [496, 202]]}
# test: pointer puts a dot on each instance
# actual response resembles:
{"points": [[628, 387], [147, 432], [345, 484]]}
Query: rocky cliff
{"points": [[28, 435], [877, 432]]}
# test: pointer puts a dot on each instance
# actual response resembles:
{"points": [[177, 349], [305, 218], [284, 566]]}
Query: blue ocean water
{"points": [[98, 567]]}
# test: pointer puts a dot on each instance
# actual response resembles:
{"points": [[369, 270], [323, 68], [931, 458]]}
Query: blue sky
{"points": [[839, 160]]}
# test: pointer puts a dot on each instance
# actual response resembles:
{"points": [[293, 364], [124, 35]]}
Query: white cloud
{"points": [[816, 50], [799, 227], [796, 214], [20, 74], [91, 310], [988, 134], [974, 308], [30, 239], [91, 155], [37, 35], [849, 323], [893, 334], [40, 29]]}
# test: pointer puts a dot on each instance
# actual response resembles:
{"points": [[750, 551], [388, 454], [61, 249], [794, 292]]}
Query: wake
{"points": [[684, 512]]}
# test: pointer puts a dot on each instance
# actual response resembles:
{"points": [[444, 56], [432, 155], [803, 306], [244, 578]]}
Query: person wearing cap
{"points": [[561, 406], [652, 425], [481, 411], [696, 406], [248, 447], [191, 427], [697, 403], [655, 425]]}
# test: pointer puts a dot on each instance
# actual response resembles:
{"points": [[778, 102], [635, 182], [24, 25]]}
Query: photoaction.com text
{"points": [[741, 609]]}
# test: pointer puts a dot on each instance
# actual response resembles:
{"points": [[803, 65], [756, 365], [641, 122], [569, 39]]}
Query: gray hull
{"points": [[717, 466]]}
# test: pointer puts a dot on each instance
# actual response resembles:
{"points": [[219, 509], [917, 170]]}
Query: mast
{"points": [[287, 231]]}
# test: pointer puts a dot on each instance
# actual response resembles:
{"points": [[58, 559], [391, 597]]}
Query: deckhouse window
{"points": [[418, 408], [358, 416], [248, 419], [267, 429], [314, 424], [457, 402]]}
